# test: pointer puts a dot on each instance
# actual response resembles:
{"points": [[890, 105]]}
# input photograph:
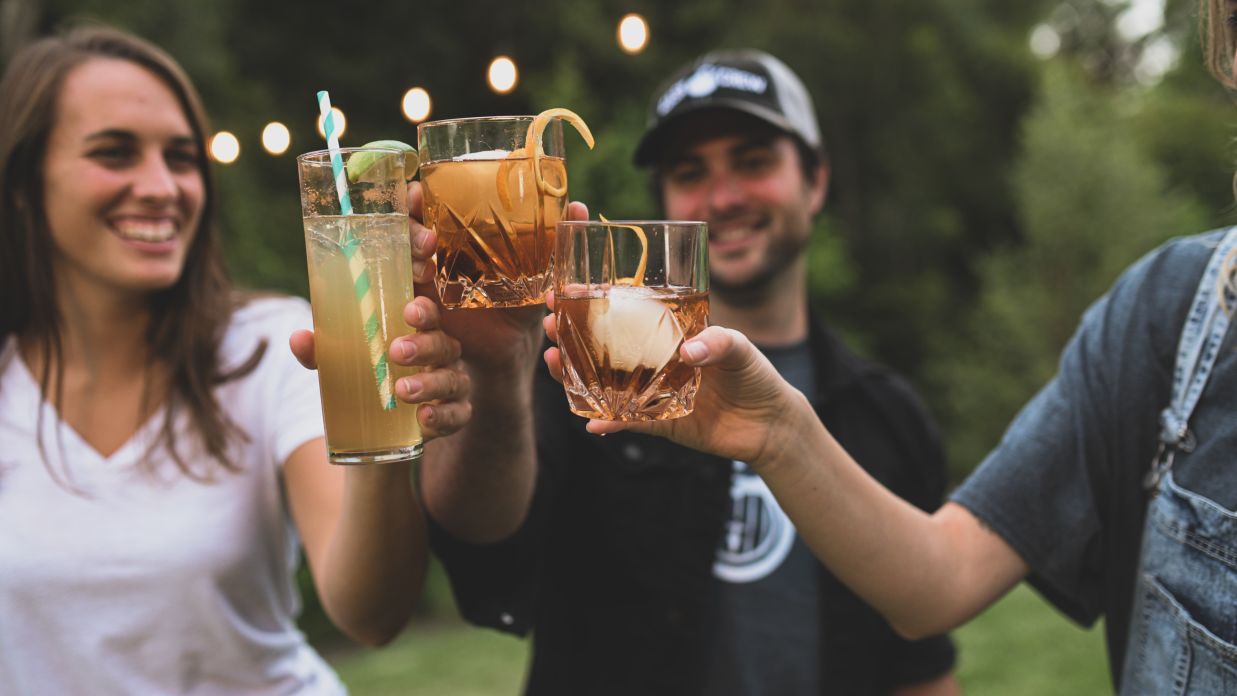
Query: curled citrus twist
{"points": [[535, 150], [638, 278]]}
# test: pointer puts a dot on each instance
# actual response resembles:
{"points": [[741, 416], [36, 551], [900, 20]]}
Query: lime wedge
{"points": [[362, 162]]}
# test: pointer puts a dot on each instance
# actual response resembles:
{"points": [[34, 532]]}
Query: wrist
{"points": [[498, 388], [511, 338], [788, 433], [380, 472], [373, 482]]}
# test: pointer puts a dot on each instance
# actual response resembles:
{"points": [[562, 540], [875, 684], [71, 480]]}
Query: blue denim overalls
{"points": [[1187, 577]]}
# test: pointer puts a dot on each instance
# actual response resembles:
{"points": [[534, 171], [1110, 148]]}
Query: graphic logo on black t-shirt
{"points": [[758, 534]]}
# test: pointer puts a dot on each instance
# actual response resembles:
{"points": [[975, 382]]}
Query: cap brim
{"points": [[651, 140]]}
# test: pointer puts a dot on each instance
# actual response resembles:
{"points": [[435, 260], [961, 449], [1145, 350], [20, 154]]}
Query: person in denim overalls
{"points": [[1185, 607], [1113, 491]]}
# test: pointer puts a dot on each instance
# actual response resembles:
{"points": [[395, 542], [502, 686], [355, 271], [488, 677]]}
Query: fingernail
{"points": [[429, 415], [406, 350], [418, 269], [422, 241], [417, 315], [411, 387], [696, 350]]}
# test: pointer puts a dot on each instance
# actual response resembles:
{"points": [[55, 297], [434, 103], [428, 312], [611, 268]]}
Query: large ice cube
{"points": [[634, 328]]}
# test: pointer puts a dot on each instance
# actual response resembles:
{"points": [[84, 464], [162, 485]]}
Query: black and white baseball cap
{"points": [[746, 80]]}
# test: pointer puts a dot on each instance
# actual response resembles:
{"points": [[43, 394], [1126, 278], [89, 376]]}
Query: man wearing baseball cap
{"points": [[642, 567]]}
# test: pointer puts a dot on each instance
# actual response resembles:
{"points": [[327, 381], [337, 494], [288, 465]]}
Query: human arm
{"points": [[881, 422], [478, 484], [944, 685], [364, 539], [746, 411], [362, 527]]}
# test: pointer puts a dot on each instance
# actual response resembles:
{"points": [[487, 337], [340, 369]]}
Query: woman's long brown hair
{"points": [[1216, 33], [188, 319]]}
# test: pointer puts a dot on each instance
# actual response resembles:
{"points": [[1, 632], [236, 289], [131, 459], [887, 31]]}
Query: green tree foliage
{"points": [[1090, 200], [918, 101], [1187, 122]]}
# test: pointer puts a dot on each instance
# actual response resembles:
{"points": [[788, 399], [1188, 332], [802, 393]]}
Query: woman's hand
{"points": [[741, 408]]}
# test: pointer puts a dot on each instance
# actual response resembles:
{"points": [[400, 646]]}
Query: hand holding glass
{"points": [[627, 294], [493, 200], [360, 278]]}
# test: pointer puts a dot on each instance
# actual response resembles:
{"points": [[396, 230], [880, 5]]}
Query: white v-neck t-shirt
{"points": [[128, 579]]}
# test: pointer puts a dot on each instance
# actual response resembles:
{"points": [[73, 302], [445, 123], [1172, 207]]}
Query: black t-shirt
{"points": [[612, 571], [768, 629]]}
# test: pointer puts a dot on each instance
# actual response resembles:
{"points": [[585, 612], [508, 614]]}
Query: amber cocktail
{"points": [[494, 189], [627, 294]]}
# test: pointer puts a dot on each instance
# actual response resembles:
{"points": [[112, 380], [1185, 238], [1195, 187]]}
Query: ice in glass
{"points": [[627, 294]]}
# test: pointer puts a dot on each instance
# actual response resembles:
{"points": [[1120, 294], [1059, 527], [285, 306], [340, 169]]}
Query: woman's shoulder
{"points": [[1191, 250], [1186, 255], [1165, 279], [268, 311], [264, 319]]}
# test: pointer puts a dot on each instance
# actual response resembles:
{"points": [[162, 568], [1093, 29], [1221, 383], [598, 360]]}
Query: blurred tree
{"points": [[18, 22], [1090, 200], [920, 103], [1187, 121], [1090, 35], [918, 100]]}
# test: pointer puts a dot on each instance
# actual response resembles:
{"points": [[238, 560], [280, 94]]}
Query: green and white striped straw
{"points": [[356, 262]]}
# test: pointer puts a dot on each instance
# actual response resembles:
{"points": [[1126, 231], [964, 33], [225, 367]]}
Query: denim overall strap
{"points": [[1201, 337], [1182, 638]]}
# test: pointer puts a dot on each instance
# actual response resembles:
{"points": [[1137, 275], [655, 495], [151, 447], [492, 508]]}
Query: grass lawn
{"points": [[1022, 646], [442, 658], [1019, 647]]}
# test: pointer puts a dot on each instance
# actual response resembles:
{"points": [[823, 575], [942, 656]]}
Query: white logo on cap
{"points": [[706, 80], [701, 84]]}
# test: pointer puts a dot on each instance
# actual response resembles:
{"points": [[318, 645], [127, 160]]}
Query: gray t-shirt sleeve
{"points": [[1047, 488]]}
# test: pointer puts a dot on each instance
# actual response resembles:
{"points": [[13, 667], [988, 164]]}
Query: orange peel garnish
{"points": [[504, 173], [638, 278], [535, 150]]}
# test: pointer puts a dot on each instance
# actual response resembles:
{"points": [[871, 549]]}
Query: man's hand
{"points": [[490, 339], [741, 402]]}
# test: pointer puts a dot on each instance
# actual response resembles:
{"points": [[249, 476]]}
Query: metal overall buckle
{"points": [[1164, 456]]}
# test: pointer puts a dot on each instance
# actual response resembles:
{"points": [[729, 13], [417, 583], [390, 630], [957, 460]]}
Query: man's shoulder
{"points": [[879, 418]]}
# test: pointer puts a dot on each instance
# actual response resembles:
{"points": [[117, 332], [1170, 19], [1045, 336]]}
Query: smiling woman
{"points": [[161, 462], [80, 164], [122, 167]]}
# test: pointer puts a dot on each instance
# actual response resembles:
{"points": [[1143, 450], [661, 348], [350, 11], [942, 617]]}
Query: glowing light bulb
{"points": [[417, 104], [633, 33], [276, 138], [341, 123], [503, 75], [225, 148]]}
